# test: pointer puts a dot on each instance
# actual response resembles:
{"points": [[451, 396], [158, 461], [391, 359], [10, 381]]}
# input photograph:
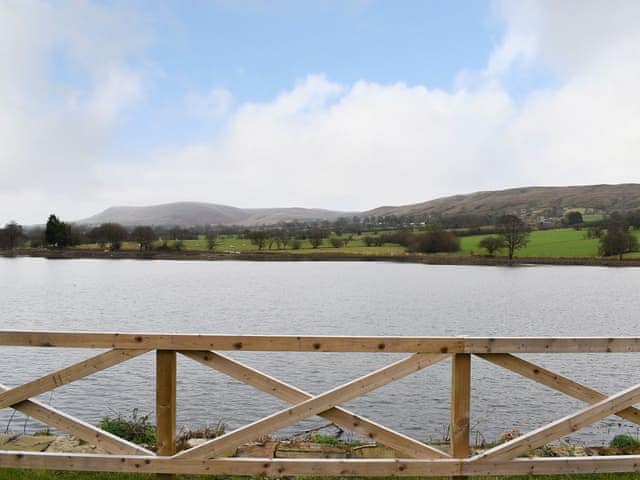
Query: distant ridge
{"points": [[186, 214], [597, 198], [600, 198]]}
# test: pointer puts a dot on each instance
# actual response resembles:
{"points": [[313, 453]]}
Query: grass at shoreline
{"points": [[45, 475]]}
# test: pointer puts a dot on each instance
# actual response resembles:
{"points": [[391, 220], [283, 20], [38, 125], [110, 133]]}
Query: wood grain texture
{"points": [[460, 404], [280, 468], [271, 343], [294, 343], [166, 366], [255, 467]]}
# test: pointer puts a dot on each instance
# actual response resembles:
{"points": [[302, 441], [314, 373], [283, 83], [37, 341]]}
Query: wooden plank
{"points": [[555, 466], [166, 406], [271, 343], [294, 343], [280, 468], [460, 404], [337, 415], [564, 426], [312, 406], [552, 345], [555, 381], [229, 466], [254, 467], [77, 428], [66, 375]]}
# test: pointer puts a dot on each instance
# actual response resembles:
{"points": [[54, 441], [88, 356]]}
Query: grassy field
{"points": [[234, 244], [557, 243], [44, 475], [565, 242]]}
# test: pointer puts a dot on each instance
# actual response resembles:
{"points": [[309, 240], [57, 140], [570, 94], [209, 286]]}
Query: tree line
{"points": [[509, 233], [60, 234]]}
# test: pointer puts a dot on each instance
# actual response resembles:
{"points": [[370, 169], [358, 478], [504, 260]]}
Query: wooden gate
{"points": [[418, 459]]}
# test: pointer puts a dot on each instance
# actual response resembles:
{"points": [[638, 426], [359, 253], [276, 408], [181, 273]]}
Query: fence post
{"points": [[460, 405], [166, 405]]}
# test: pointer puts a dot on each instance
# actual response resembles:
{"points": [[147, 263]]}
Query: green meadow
{"points": [[562, 242]]}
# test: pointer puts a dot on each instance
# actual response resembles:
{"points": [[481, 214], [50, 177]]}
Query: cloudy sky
{"points": [[335, 104]]}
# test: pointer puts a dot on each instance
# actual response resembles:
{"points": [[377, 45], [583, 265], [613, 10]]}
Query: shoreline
{"points": [[320, 257]]}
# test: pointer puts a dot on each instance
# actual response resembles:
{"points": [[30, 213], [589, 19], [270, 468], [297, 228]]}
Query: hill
{"points": [[186, 214], [522, 201], [590, 198]]}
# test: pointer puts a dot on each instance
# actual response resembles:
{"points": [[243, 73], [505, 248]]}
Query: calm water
{"points": [[321, 298]]}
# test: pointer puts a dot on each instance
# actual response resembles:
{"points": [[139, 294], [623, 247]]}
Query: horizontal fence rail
{"points": [[418, 458], [320, 343]]}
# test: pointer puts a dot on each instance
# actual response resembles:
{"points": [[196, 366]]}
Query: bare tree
{"points": [[316, 236], [258, 238], [11, 236], [513, 232], [212, 239], [144, 235]]}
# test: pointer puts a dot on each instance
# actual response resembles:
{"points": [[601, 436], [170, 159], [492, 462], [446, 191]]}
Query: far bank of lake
{"points": [[325, 255]]}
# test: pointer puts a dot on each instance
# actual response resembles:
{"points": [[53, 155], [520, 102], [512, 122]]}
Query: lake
{"points": [[305, 298]]}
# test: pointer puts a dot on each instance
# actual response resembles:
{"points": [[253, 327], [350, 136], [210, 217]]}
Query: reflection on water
{"points": [[321, 298]]}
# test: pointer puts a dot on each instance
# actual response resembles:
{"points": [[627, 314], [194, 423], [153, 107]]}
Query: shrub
{"points": [[377, 241], [136, 429], [296, 244], [336, 242], [491, 244], [401, 237], [433, 241], [163, 246], [624, 441]]}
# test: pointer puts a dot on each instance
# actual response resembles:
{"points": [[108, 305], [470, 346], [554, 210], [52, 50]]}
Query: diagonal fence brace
{"points": [[561, 427], [313, 406], [337, 415]]}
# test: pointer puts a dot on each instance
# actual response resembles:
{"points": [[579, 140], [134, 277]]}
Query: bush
{"points": [[336, 242], [434, 241], [624, 441], [163, 246], [373, 241], [401, 237], [296, 244], [136, 429], [491, 244]]}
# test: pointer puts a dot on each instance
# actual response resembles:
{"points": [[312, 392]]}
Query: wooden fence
{"points": [[418, 459]]}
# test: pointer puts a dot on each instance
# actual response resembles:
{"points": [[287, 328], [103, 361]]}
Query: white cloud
{"points": [[214, 103], [118, 88], [55, 132], [323, 144], [327, 144], [572, 36]]}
